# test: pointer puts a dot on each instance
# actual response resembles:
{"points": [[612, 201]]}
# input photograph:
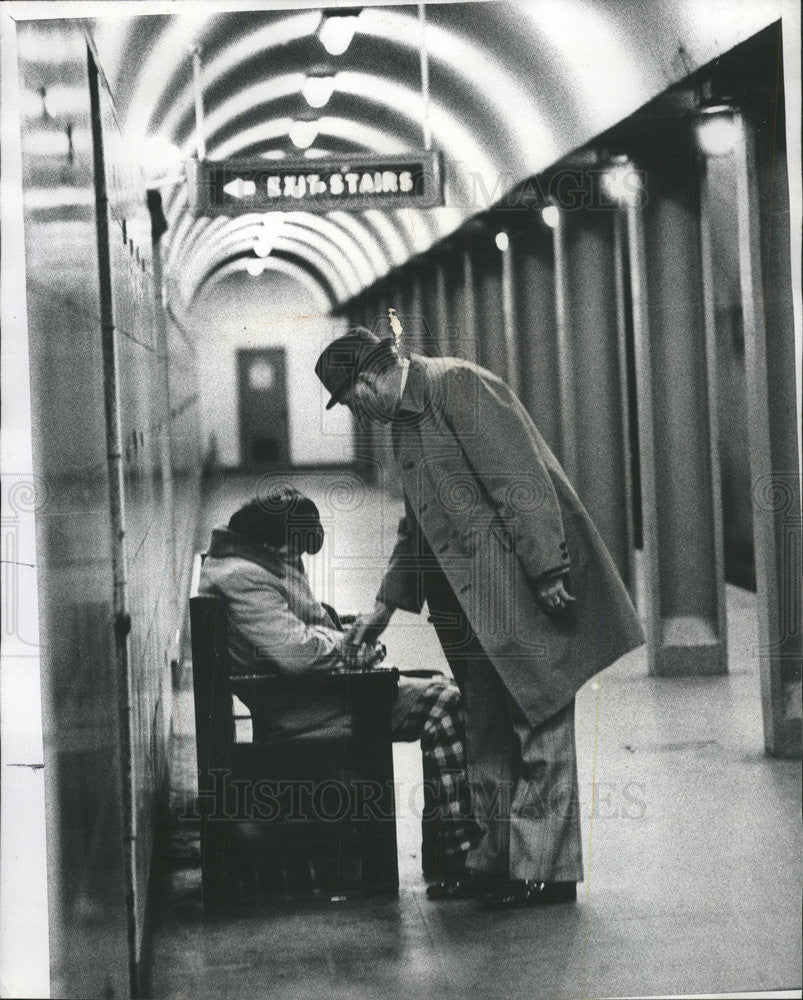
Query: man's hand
{"points": [[553, 596], [368, 656], [366, 630]]}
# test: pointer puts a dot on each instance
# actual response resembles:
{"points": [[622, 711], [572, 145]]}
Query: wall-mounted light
{"points": [[317, 90], [336, 29], [303, 134], [717, 129], [621, 182], [550, 215], [502, 241]]}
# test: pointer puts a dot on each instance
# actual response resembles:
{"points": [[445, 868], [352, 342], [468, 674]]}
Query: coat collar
{"points": [[415, 396], [226, 543]]}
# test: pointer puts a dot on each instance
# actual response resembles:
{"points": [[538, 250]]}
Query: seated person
{"points": [[277, 627]]}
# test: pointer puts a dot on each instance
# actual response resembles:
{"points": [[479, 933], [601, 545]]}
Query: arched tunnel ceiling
{"points": [[515, 86]]}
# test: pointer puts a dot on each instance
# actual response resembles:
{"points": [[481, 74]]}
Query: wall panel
{"points": [[88, 740], [82, 739]]}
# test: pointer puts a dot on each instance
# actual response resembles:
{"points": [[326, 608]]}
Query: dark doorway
{"points": [[262, 390]]}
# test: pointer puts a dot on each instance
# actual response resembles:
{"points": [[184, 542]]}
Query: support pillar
{"points": [[435, 309], [488, 304], [591, 298], [765, 275], [533, 275], [674, 345], [509, 322], [441, 320], [421, 318], [467, 346], [454, 330], [565, 358]]}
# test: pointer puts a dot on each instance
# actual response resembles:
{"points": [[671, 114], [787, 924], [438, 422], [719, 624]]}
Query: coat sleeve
{"points": [[401, 584], [500, 444], [279, 640]]}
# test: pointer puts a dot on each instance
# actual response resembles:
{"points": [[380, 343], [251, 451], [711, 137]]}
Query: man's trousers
{"points": [[523, 778]]}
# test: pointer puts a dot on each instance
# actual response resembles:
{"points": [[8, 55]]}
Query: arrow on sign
{"points": [[238, 188]]}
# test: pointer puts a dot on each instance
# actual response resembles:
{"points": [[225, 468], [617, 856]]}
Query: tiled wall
{"points": [[83, 682], [185, 447]]}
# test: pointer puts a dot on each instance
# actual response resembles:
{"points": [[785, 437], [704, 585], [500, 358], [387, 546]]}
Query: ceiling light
{"points": [[336, 29], [273, 154], [303, 134], [267, 234], [254, 267], [317, 90], [717, 130], [502, 241], [550, 215], [621, 181]]}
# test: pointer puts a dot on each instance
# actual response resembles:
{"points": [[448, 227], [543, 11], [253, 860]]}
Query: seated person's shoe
{"points": [[467, 885], [518, 893]]}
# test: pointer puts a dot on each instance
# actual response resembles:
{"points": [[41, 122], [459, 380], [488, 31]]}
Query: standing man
{"points": [[525, 598]]}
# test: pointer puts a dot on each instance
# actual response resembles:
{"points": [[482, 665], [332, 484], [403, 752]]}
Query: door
{"points": [[262, 388]]}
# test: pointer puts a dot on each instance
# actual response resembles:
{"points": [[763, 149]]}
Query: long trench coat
{"points": [[499, 514]]}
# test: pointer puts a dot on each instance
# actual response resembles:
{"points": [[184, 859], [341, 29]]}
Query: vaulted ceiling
{"points": [[514, 87]]}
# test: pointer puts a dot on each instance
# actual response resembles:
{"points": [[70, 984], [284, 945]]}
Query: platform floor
{"points": [[693, 854]]}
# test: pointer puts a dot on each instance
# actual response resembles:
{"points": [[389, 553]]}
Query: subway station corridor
{"points": [[510, 291], [687, 885]]}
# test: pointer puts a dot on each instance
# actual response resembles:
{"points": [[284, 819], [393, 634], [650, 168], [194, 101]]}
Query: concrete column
{"points": [[765, 274], [368, 308], [533, 275], [441, 319], [454, 329], [467, 346], [489, 304], [674, 344], [435, 306], [509, 322], [597, 344], [565, 356], [421, 312]]}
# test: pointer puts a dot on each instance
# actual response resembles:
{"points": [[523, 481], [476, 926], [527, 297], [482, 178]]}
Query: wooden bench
{"points": [[328, 797]]}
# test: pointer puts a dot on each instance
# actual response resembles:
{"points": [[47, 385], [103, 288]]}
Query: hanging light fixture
{"points": [[621, 181], [550, 215], [303, 133], [502, 241], [318, 89], [336, 29], [717, 129], [254, 267], [268, 233]]}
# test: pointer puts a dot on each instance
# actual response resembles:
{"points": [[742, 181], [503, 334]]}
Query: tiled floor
{"points": [[693, 863]]}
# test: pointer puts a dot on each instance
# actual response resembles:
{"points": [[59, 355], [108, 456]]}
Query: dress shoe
{"points": [[467, 886], [518, 893]]}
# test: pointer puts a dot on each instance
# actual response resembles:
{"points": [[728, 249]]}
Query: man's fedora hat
{"points": [[343, 360]]}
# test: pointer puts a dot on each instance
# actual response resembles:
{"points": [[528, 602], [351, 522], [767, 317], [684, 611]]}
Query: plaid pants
{"points": [[430, 710]]}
